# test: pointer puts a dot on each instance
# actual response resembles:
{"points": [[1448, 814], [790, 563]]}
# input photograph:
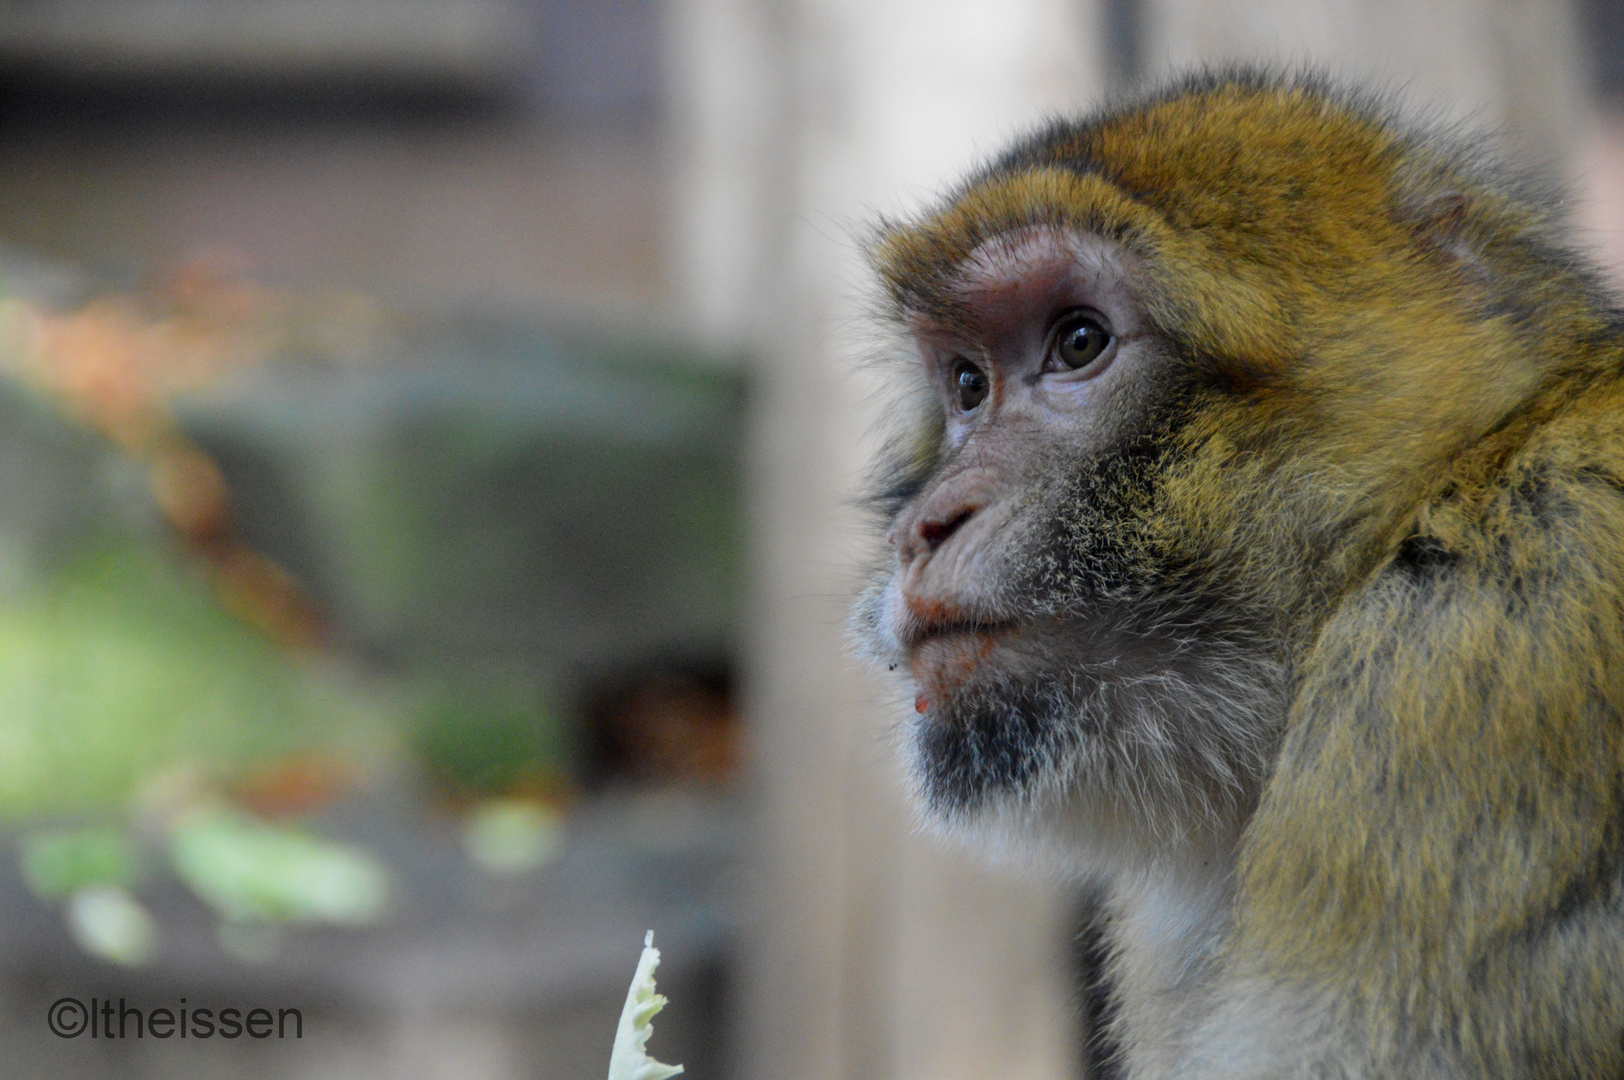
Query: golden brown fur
{"points": [[1403, 454]]}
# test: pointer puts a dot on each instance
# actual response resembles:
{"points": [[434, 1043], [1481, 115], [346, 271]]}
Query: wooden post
{"points": [[874, 952]]}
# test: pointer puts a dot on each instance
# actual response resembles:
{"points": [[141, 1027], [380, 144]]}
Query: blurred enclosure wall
{"points": [[419, 148], [543, 387]]}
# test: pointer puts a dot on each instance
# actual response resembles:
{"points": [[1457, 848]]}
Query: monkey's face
{"points": [[1026, 601], [1044, 369]]}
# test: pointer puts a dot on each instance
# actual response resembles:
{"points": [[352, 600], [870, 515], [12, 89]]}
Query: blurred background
{"points": [[428, 439]]}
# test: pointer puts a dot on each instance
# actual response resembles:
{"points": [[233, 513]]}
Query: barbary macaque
{"points": [[1257, 549]]}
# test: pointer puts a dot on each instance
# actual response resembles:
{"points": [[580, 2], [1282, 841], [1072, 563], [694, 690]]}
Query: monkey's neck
{"points": [[1166, 926]]}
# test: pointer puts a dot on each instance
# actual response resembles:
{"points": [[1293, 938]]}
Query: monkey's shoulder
{"points": [[1553, 503], [1479, 672]]}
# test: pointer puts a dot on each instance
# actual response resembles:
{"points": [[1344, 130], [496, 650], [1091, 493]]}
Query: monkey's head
{"points": [[1184, 371]]}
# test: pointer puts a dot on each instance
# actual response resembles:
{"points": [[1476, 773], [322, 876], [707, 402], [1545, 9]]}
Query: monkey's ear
{"points": [[1440, 226], [1440, 218]]}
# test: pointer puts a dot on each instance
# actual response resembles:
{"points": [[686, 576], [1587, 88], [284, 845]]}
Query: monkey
{"points": [[1253, 545]]}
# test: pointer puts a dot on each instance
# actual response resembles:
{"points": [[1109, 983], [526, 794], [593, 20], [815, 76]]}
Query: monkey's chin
{"points": [[1120, 760], [1025, 786], [978, 741]]}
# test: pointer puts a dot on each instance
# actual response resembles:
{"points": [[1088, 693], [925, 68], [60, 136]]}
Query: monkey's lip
{"points": [[944, 656]]}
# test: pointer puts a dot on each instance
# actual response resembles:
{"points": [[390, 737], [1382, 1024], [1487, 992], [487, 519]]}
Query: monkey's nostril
{"points": [[934, 532]]}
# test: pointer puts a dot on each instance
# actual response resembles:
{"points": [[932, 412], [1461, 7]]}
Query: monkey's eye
{"points": [[1079, 341], [969, 385]]}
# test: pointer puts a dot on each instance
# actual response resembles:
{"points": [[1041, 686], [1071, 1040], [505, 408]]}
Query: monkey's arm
{"points": [[1435, 866]]}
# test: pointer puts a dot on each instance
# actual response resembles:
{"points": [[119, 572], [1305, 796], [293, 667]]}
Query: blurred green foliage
{"points": [[122, 663], [477, 741], [59, 863], [252, 872]]}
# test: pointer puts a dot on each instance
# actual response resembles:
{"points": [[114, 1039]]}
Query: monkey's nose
{"points": [[935, 531], [931, 530], [945, 510]]}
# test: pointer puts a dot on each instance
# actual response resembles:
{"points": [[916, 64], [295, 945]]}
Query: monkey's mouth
{"points": [[948, 631], [943, 656]]}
